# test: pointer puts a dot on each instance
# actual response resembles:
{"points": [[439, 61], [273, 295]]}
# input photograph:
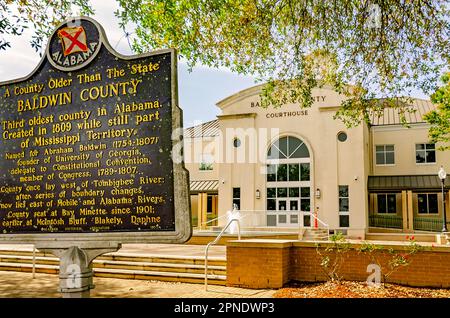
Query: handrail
{"points": [[215, 219], [323, 224], [214, 242]]}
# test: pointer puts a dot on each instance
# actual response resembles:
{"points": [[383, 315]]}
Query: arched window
{"points": [[288, 148], [288, 183]]}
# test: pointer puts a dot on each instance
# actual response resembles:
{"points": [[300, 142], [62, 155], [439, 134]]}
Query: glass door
{"points": [[294, 211]]}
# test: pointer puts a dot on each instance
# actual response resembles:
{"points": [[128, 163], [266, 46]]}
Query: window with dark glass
{"points": [[271, 173], [209, 204], [387, 203], [427, 203], [293, 172], [344, 218], [305, 199], [304, 172], [271, 199], [425, 153], [282, 173], [343, 198], [282, 192], [385, 155], [237, 197], [287, 148]]}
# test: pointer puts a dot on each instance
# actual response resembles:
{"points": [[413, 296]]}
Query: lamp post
{"points": [[442, 175]]}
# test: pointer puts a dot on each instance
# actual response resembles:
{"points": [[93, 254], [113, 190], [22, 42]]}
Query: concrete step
{"points": [[314, 234], [160, 267], [160, 276], [123, 273], [173, 259], [130, 265], [133, 257]]}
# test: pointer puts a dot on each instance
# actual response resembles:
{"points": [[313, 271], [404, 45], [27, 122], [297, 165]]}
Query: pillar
{"points": [[201, 210], [214, 208], [410, 211], [405, 211], [205, 209]]}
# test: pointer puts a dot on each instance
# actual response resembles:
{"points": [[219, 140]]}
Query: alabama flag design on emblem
{"points": [[73, 40]]}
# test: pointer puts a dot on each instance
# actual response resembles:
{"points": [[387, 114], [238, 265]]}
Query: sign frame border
{"points": [[182, 205]]}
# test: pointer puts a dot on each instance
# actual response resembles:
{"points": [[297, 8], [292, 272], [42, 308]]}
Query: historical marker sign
{"points": [[86, 145]]}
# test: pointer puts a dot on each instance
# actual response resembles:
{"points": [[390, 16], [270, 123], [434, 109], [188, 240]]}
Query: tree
{"points": [[440, 118], [41, 15], [384, 48]]}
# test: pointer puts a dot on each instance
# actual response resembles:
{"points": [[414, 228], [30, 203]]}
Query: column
{"points": [[410, 211], [214, 208], [405, 211], [199, 210], [204, 209]]}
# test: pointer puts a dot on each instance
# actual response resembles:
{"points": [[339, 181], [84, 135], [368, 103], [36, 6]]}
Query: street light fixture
{"points": [[443, 175]]}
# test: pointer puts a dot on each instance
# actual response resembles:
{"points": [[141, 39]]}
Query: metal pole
{"points": [[444, 217]]}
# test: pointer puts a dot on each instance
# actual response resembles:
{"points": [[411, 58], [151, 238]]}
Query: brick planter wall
{"points": [[272, 263], [258, 267]]}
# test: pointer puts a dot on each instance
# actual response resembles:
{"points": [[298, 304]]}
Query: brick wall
{"points": [[257, 265]]}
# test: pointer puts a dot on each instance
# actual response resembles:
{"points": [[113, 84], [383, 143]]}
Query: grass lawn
{"points": [[349, 289]]}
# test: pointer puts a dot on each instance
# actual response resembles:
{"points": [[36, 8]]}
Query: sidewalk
{"points": [[21, 285]]}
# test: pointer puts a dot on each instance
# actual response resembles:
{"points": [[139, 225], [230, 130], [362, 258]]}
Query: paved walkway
{"points": [[18, 285]]}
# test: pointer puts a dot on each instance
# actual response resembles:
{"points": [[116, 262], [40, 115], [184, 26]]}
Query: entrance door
{"points": [[287, 212], [282, 210], [294, 211]]}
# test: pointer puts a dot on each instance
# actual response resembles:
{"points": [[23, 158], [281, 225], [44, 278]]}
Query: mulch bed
{"points": [[348, 289]]}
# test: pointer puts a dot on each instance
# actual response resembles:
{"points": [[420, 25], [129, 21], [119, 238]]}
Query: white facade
{"points": [[235, 152]]}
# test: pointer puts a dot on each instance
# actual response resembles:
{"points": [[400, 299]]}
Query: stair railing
{"points": [[325, 225], [215, 241]]}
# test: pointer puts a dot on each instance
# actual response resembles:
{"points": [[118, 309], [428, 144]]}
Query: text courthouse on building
{"points": [[283, 166]]}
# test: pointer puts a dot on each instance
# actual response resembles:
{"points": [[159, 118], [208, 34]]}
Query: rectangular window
{"points": [[278, 198], [384, 154], [282, 173], [304, 172], [344, 206], [237, 197], [206, 162], [425, 153], [293, 172], [271, 173], [305, 201], [427, 203], [343, 198], [387, 203], [288, 172]]}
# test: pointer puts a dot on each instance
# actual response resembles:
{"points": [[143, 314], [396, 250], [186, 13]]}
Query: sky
{"points": [[198, 91]]}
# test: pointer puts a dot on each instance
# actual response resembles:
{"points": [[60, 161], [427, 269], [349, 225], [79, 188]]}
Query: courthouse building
{"points": [[283, 166]]}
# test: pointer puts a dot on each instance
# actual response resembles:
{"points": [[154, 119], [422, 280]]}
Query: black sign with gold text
{"points": [[86, 140]]}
